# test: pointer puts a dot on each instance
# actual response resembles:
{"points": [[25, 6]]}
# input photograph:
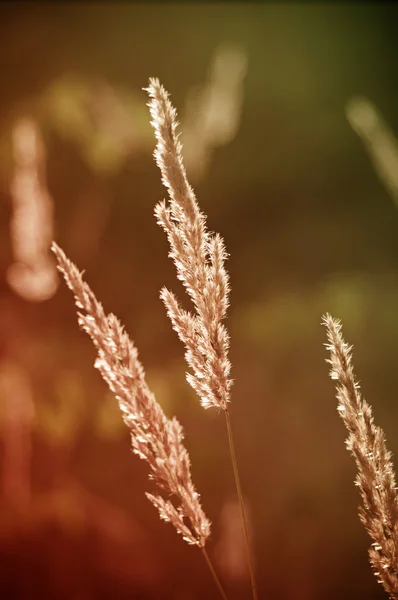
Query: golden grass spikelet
{"points": [[154, 438], [199, 257], [375, 479]]}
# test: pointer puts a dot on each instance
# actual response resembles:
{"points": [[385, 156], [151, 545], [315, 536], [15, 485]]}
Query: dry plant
{"points": [[375, 479], [199, 257], [154, 438]]}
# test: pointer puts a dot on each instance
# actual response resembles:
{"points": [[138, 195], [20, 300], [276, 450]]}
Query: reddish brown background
{"points": [[309, 228]]}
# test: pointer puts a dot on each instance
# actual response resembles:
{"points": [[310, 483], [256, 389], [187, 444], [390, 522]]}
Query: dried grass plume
{"points": [[375, 479], [154, 438], [199, 257]]}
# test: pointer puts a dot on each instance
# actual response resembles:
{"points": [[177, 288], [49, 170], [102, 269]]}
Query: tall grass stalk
{"points": [[199, 257], [214, 574], [375, 479]]}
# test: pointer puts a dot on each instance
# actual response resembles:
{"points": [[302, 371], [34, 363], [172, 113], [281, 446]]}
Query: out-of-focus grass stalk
{"points": [[378, 139], [17, 420], [32, 274]]}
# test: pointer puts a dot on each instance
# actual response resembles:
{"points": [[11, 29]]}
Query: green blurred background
{"points": [[310, 228]]}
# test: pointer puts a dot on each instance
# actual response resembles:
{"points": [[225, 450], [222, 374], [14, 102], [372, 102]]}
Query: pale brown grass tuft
{"points": [[154, 437], [199, 258], [375, 479]]}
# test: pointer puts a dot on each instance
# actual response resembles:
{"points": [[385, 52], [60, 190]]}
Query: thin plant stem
{"points": [[241, 504], [215, 576]]}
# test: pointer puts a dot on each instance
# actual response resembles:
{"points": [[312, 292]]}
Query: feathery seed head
{"points": [[154, 438], [375, 479], [199, 257]]}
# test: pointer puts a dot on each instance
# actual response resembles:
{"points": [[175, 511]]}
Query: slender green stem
{"points": [[216, 579], [242, 507]]}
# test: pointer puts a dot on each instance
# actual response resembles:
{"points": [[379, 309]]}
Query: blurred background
{"points": [[288, 114]]}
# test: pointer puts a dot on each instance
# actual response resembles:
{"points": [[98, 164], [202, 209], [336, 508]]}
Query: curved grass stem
{"points": [[215, 576], [241, 504]]}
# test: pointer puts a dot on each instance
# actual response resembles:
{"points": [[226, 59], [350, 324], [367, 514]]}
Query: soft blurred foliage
{"points": [[310, 226]]}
